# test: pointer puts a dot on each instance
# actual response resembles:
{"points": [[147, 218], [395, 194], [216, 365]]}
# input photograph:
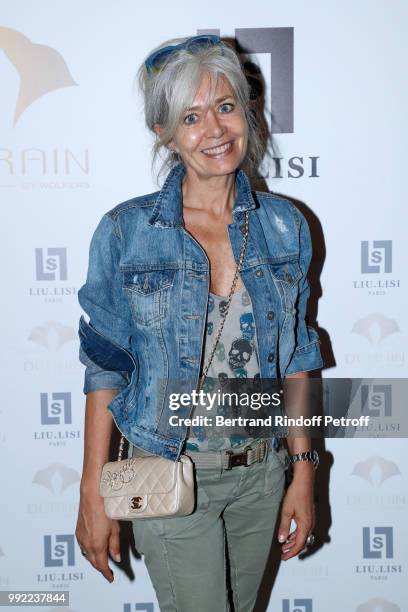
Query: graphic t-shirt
{"points": [[236, 356]]}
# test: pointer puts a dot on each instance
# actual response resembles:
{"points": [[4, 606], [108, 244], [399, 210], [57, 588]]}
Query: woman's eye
{"points": [[228, 106], [191, 118]]}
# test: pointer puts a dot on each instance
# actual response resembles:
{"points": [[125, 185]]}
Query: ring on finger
{"points": [[310, 539]]}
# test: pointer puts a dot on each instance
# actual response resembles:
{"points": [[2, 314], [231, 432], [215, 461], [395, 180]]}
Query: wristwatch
{"points": [[312, 456]]}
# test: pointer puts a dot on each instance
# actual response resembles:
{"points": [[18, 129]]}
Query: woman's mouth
{"points": [[220, 151]]}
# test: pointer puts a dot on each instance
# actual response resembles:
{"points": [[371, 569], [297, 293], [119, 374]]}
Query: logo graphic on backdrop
{"points": [[59, 550], [56, 411], [51, 266], [52, 335], [56, 478], [376, 400], [378, 549], [376, 403], [378, 605], [376, 470], [375, 327], [41, 69], [271, 75], [59, 553], [376, 263], [47, 353], [377, 258], [378, 543], [298, 605], [56, 407]]}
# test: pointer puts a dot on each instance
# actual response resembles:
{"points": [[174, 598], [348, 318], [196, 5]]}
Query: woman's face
{"points": [[212, 140]]}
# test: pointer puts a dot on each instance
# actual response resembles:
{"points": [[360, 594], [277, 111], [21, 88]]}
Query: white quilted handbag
{"points": [[147, 487]]}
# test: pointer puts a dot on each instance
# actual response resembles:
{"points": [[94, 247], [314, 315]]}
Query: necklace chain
{"points": [[234, 282]]}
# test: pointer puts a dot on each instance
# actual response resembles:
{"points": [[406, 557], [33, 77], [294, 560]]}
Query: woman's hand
{"points": [[96, 533], [298, 504]]}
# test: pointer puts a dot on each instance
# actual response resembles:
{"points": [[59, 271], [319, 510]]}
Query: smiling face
{"points": [[213, 134]]}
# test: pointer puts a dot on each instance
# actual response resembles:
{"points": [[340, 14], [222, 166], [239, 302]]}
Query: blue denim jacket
{"points": [[146, 296]]}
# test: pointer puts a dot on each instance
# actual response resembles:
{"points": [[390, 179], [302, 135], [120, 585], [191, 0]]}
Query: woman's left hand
{"points": [[298, 504]]}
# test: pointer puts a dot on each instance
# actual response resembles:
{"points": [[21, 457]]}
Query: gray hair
{"points": [[170, 90]]}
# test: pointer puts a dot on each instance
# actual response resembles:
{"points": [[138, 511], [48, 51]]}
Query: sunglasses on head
{"points": [[156, 59]]}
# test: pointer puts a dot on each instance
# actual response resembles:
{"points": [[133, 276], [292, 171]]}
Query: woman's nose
{"points": [[213, 125]]}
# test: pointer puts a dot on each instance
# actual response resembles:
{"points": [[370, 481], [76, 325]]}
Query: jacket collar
{"points": [[167, 211]]}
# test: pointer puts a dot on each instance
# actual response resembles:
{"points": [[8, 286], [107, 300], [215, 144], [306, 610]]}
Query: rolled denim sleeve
{"points": [[307, 355], [96, 378], [105, 341]]}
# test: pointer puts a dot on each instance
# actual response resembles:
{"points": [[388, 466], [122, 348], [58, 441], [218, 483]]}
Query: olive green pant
{"points": [[236, 514]]}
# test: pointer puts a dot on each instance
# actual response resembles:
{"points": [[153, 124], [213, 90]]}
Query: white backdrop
{"points": [[73, 144]]}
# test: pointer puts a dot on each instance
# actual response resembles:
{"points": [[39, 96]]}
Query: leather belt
{"points": [[253, 453]]}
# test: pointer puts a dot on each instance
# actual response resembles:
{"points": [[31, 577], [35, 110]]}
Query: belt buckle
{"points": [[235, 459]]}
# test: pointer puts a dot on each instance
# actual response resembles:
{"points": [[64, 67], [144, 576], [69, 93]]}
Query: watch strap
{"points": [[312, 456]]}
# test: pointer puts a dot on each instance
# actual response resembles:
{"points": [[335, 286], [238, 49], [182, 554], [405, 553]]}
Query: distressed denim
{"points": [[146, 295]]}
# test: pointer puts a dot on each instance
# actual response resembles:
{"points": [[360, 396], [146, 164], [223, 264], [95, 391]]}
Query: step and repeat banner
{"points": [[73, 145]]}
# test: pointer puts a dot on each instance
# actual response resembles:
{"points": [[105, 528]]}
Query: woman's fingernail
{"points": [[285, 550], [117, 557], [281, 538]]}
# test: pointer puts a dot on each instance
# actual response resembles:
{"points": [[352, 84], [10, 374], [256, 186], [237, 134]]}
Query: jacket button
{"points": [[270, 315], [258, 273], [271, 357], [289, 278]]}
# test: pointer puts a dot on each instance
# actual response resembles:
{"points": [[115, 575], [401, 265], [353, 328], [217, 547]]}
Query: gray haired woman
{"points": [[197, 105]]}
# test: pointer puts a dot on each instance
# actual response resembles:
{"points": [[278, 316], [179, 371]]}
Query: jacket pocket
{"points": [[286, 276], [288, 272], [148, 294]]}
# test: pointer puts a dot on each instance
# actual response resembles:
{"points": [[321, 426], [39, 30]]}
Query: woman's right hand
{"points": [[96, 533]]}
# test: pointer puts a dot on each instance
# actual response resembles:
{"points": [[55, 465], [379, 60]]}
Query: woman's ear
{"points": [[159, 130]]}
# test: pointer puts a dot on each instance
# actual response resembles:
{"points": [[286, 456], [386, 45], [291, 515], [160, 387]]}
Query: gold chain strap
{"points": [[234, 282]]}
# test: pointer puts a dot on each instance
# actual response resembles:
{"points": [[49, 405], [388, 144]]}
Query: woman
{"points": [[160, 267]]}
